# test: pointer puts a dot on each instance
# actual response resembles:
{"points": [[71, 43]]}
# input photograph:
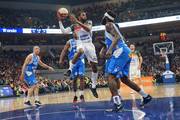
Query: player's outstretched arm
{"points": [[45, 66], [27, 61], [64, 52], [64, 30]]}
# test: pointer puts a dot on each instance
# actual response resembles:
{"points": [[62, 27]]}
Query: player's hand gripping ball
{"points": [[62, 13]]}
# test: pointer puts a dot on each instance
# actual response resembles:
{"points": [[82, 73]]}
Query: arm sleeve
{"points": [[64, 30]]}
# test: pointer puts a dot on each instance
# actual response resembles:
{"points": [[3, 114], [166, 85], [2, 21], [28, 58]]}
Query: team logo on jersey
{"points": [[118, 52], [28, 73]]}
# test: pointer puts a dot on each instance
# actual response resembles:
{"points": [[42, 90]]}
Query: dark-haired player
{"points": [[79, 68], [118, 54], [83, 28]]}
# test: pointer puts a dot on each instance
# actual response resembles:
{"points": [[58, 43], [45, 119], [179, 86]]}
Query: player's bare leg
{"points": [[94, 77], [36, 95], [115, 95], [132, 90], [82, 86], [29, 95], [74, 60], [140, 83], [146, 98], [75, 90], [77, 56], [118, 85]]}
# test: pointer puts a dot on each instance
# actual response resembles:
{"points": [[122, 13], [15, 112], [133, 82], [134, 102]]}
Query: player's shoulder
{"points": [[30, 55], [138, 52], [70, 40]]}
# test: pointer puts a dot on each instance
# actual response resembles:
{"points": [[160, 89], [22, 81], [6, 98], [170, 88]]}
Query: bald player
{"points": [[28, 75]]}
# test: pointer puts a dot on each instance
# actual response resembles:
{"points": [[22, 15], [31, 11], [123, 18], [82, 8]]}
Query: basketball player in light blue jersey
{"points": [[118, 54], [78, 69], [28, 75]]}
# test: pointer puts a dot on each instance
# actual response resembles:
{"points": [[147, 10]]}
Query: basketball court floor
{"points": [[164, 106]]}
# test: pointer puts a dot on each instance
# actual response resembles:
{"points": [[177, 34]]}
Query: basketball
{"points": [[62, 13]]}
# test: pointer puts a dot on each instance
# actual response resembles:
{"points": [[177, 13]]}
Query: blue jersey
{"points": [[79, 67], [30, 70], [109, 38], [32, 66], [73, 49], [118, 63]]}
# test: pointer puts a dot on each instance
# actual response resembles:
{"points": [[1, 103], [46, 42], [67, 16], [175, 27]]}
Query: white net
{"points": [[163, 51]]}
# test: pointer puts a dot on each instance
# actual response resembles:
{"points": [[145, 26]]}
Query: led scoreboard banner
{"points": [[11, 30], [94, 28], [6, 91]]}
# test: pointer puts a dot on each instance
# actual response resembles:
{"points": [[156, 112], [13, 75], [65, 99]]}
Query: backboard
{"points": [[163, 48]]}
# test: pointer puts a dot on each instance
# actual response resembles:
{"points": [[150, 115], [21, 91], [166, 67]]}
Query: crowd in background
{"points": [[11, 62], [126, 11], [10, 70], [133, 10]]}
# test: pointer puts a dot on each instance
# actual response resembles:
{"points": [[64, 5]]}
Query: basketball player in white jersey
{"points": [[83, 28], [135, 65], [28, 75], [136, 62]]}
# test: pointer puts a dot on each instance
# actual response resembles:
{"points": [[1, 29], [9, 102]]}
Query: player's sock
{"points": [[81, 92], [142, 93], [75, 93], [36, 98], [27, 99], [119, 91], [117, 100], [94, 77]]}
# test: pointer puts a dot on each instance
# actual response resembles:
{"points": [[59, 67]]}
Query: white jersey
{"points": [[83, 35], [84, 39], [134, 71]]}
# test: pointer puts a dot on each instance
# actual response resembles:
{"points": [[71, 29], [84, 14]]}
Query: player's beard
{"points": [[83, 20]]}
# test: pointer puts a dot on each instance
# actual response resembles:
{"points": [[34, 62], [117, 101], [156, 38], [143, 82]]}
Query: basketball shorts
{"points": [[119, 63], [134, 72], [30, 78], [78, 69], [89, 50]]}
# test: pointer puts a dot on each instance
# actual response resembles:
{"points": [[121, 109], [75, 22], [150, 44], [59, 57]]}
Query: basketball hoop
{"points": [[163, 52], [163, 48]]}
